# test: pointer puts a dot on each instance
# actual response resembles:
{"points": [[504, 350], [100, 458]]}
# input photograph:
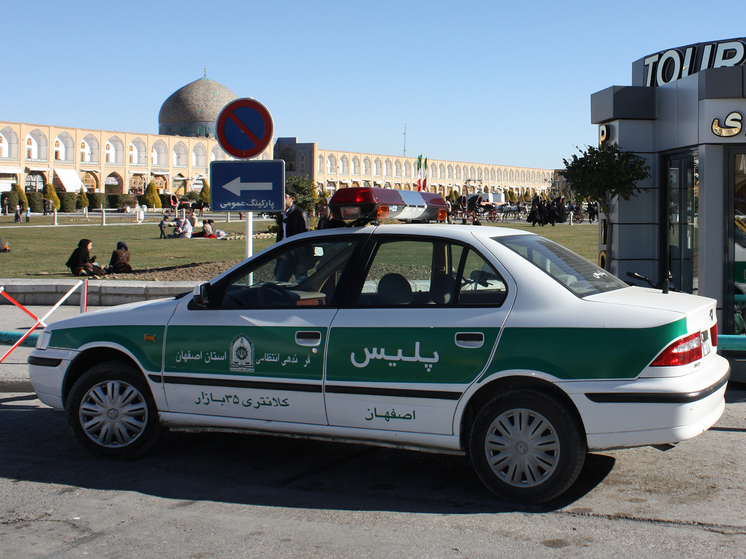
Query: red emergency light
{"points": [[368, 204]]}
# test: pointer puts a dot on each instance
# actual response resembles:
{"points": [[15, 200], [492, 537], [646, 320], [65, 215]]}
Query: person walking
{"points": [[162, 226], [294, 219]]}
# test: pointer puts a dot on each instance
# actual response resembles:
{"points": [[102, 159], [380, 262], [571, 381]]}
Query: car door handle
{"points": [[308, 339], [471, 340]]}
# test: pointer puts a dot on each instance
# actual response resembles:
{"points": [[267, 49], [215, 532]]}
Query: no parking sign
{"points": [[244, 128]]}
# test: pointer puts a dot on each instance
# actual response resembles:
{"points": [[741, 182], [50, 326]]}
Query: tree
{"points": [[152, 200], [204, 194], [604, 174], [305, 189], [50, 193], [22, 199], [82, 201]]}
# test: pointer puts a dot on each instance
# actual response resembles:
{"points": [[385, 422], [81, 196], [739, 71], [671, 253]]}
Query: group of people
{"points": [[20, 211], [294, 220], [546, 212], [184, 229], [81, 263]]}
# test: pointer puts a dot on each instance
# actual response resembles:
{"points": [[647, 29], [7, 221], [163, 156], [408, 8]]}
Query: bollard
{"points": [[103, 216], [84, 297], [55, 216], [229, 217]]}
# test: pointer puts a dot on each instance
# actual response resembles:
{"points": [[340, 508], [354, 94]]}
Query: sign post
{"points": [[244, 130]]}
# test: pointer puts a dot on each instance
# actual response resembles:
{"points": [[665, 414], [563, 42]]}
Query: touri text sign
{"points": [[673, 64]]}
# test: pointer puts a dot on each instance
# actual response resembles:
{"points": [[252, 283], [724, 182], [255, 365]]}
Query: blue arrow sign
{"points": [[247, 186]]}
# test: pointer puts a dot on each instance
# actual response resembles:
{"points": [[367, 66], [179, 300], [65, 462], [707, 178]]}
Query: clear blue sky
{"points": [[482, 81]]}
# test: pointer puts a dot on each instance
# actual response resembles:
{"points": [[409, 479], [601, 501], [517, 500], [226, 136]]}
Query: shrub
{"points": [[12, 200], [98, 199], [36, 201], [21, 196], [124, 200], [69, 201], [151, 197], [50, 193], [204, 194], [81, 200]]}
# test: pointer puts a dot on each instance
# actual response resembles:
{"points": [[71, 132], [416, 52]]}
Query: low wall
{"points": [[100, 292]]}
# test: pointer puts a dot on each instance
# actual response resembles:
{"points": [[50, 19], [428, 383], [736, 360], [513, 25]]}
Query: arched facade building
{"points": [[333, 169]]}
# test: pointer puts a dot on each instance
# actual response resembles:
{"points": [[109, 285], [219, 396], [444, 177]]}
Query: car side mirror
{"points": [[202, 295]]}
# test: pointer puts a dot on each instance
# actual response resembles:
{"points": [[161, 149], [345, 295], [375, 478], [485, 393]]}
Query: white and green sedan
{"points": [[490, 342]]}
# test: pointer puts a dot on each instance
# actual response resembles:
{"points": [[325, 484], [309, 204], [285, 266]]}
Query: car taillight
{"points": [[681, 352], [714, 335]]}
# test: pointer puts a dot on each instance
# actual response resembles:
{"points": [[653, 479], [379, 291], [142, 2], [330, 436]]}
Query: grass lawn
{"points": [[40, 250]]}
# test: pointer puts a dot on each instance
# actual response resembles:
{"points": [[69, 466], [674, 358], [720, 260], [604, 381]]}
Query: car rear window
{"points": [[574, 272]]}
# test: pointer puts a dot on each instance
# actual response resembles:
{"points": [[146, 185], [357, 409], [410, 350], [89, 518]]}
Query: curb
{"points": [[16, 386]]}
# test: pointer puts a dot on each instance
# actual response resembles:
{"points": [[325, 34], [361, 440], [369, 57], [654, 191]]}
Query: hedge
{"points": [[98, 199], [68, 201], [35, 201], [12, 200]]}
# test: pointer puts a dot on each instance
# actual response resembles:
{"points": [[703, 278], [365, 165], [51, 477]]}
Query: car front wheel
{"points": [[526, 446], [111, 412]]}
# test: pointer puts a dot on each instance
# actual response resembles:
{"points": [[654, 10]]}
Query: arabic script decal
{"points": [[209, 398], [389, 415], [377, 353]]}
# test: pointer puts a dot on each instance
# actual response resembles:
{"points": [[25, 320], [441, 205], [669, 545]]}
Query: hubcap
{"points": [[113, 414], [522, 447]]}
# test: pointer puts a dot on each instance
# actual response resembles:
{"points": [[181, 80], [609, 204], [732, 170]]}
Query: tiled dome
{"points": [[193, 109]]}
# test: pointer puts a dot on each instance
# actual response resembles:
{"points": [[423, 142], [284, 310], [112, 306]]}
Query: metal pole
{"points": [[249, 234]]}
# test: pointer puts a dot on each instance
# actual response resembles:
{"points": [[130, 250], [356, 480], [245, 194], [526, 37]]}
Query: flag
{"points": [[421, 174]]}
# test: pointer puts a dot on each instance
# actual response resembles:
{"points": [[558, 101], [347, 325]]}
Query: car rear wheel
{"points": [[526, 446], [111, 412]]}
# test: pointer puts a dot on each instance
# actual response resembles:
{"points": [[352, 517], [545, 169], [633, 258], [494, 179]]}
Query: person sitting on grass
{"points": [[208, 231], [120, 260], [81, 263]]}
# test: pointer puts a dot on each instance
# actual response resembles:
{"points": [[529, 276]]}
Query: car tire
{"points": [[526, 446], [111, 412]]}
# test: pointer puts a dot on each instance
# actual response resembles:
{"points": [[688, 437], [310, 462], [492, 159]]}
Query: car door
{"points": [[414, 334], [255, 350]]}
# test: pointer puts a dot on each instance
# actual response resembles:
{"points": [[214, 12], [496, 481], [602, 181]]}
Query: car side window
{"points": [[481, 285], [429, 273], [302, 275]]}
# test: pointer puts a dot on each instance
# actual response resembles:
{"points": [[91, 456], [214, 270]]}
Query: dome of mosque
{"points": [[193, 109]]}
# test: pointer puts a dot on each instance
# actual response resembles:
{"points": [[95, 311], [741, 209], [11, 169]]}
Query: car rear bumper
{"points": [[654, 410]]}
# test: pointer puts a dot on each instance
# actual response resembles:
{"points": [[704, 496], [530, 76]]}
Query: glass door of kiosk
{"points": [[735, 271], [680, 204]]}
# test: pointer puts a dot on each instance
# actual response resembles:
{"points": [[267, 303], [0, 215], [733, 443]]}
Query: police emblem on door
{"points": [[242, 354]]}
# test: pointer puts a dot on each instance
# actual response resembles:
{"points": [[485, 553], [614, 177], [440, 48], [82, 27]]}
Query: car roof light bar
{"points": [[365, 204]]}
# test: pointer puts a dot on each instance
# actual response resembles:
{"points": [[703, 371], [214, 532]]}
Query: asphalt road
{"points": [[227, 495]]}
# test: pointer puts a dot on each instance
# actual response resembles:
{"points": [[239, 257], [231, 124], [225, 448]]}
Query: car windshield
{"points": [[574, 272]]}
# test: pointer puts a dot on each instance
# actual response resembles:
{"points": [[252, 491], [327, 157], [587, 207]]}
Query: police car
{"points": [[492, 342]]}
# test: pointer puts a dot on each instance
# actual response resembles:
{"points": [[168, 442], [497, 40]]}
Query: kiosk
{"points": [[684, 113]]}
